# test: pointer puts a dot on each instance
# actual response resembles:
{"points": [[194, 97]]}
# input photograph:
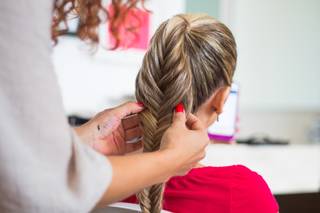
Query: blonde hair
{"points": [[189, 57]]}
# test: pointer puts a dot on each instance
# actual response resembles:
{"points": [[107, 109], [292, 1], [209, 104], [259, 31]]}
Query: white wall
{"points": [[279, 52]]}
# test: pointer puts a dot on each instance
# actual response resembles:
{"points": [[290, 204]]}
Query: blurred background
{"points": [[278, 74]]}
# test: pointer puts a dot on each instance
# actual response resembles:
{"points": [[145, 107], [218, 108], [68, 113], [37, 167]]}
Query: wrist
{"points": [[169, 162]]}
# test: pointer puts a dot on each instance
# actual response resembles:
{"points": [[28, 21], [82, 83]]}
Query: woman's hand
{"points": [[113, 131], [183, 145], [185, 141]]}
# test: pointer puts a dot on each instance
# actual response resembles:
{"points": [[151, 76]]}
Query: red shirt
{"points": [[230, 189]]}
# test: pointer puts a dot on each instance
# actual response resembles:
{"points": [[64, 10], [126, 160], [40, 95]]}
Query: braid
{"points": [[188, 58], [163, 66]]}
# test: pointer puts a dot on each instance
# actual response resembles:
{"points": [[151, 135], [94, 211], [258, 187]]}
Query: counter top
{"points": [[287, 169]]}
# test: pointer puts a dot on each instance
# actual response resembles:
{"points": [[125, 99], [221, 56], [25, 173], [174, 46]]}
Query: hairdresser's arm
{"points": [[183, 145], [134, 172]]}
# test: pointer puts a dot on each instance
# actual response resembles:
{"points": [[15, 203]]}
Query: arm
{"points": [[182, 147], [134, 172]]}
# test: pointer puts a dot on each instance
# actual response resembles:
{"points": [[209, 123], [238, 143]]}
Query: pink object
{"points": [[134, 32], [234, 189]]}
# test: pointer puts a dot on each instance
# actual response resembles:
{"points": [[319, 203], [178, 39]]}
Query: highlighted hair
{"points": [[190, 56]]}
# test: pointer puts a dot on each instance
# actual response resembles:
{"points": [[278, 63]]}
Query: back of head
{"points": [[190, 56]]}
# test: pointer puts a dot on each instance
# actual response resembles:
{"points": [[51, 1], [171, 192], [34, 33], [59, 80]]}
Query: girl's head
{"points": [[191, 59]]}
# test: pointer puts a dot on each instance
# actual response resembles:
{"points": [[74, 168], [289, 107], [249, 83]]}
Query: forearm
{"points": [[135, 172]]}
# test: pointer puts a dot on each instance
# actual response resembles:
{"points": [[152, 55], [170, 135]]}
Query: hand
{"points": [[183, 145], [114, 131], [185, 141]]}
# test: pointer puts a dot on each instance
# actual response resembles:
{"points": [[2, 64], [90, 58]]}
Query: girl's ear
{"points": [[219, 98], [209, 110]]}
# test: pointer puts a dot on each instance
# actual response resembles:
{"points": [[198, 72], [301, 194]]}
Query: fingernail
{"points": [[180, 108], [140, 104]]}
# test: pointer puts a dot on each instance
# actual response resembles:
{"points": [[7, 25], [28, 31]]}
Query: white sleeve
{"points": [[44, 167]]}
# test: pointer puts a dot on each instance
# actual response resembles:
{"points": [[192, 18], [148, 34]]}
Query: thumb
{"points": [[179, 117], [127, 109]]}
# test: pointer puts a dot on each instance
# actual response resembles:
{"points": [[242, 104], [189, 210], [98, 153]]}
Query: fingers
{"points": [[179, 117], [118, 139], [128, 109], [191, 121], [130, 147], [133, 133], [194, 123], [130, 121], [132, 128]]}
